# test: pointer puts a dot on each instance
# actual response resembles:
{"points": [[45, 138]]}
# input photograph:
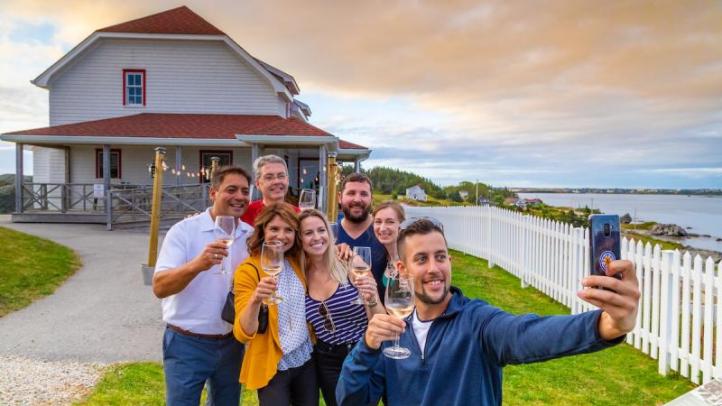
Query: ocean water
{"points": [[698, 214]]}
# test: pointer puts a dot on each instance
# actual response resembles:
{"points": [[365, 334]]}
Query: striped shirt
{"points": [[349, 319]]}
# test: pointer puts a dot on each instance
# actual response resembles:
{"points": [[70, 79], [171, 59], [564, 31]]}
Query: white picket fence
{"points": [[679, 321]]}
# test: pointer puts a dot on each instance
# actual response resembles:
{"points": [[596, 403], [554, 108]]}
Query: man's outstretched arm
{"points": [[510, 339]]}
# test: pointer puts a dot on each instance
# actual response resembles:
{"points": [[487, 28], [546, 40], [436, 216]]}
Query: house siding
{"points": [[135, 161], [48, 165], [203, 77]]}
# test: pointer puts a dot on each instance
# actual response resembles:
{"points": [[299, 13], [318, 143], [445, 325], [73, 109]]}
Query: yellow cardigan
{"points": [[263, 351]]}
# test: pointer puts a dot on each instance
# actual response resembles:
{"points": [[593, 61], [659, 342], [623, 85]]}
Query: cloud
{"points": [[519, 90]]}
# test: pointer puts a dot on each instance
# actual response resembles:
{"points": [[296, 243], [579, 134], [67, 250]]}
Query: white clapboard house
{"points": [[170, 80], [416, 193]]}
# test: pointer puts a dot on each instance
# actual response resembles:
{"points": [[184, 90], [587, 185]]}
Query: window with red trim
{"points": [[115, 166], [134, 87]]}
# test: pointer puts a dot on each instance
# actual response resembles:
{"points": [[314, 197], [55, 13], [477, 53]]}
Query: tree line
{"points": [[394, 182]]}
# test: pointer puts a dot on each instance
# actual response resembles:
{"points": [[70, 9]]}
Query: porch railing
{"points": [[128, 202], [60, 197]]}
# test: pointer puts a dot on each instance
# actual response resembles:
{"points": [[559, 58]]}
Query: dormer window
{"points": [[134, 87]]}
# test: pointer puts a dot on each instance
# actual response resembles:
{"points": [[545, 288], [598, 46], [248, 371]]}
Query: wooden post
{"points": [[155, 206], [332, 170], [19, 177], [215, 163], [322, 192]]}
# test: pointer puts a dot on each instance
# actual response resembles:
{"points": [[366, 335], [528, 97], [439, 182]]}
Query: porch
{"points": [[101, 171]]}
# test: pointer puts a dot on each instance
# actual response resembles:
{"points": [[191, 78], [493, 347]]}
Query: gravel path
{"points": [[100, 315], [26, 381]]}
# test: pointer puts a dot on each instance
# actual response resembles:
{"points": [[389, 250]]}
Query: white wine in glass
{"points": [[226, 228], [307, 199], [400, 304], [272, 264], [360, 268]]}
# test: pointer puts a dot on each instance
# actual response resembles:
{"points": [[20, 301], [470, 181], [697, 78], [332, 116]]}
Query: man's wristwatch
{"points": [[372, 302]]}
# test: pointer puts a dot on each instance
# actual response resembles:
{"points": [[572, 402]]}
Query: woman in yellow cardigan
{"points": [[278, 361]]}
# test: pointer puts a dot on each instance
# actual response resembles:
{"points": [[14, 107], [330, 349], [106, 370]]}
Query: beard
{"points": [[426, 299], [355, 219]]}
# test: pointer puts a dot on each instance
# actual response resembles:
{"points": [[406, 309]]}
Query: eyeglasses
{"points": [[415, 220], [270, 177], [327, 320]]}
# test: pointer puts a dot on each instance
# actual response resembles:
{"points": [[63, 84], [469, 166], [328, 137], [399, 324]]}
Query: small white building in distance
{"points": [[416, 193]]}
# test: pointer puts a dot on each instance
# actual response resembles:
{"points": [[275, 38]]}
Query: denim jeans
{"points": [[189, 361]]}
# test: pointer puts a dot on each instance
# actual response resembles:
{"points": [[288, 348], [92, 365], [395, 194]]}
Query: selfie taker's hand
{"points": [[264, 290], [619, 301], [344, 252], [383, 327], [212, 254]]}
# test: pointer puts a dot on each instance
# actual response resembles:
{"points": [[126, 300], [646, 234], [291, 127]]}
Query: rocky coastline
{"points": [[676, 234]]}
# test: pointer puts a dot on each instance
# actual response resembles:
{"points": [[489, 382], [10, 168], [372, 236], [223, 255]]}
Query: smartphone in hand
{"points": [[605, 242]]}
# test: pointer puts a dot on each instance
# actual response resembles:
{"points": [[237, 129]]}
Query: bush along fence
{"points": [[680, 314]]}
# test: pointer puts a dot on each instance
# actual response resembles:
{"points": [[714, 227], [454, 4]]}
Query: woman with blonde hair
{"points": [[278, 362], [338, 324]]}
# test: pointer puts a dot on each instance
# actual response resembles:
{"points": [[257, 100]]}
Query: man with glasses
{"points": [[356, 228], [460, 345], [271, 175]]}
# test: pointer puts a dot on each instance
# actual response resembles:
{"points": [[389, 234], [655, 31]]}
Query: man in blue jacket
{"points": [[459, 346]]}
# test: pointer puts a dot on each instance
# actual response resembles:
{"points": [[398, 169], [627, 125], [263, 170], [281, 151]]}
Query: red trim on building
{"points": [[143, 90]]}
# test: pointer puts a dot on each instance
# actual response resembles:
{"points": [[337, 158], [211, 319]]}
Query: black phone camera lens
{"points": [[607, 230]]}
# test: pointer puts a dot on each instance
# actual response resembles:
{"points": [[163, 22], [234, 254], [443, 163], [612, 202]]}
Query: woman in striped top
{"points": [[337, 323]]}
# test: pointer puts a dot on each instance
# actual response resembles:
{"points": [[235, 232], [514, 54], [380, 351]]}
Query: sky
{"points": [[517, 94]]}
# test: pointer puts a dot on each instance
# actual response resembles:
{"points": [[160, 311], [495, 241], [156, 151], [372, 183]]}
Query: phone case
{"points": [[605, 242]]}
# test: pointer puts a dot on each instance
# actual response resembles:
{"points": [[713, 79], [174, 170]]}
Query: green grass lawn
{"points": [[617, 376], [30, 268]]}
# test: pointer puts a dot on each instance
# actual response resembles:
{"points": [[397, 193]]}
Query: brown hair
{"points": [[393, 206], [421, 226], [336, 268], [287, 214], [356, 177], [220, 174]]}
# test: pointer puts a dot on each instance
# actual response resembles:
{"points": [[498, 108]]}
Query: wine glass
{"points": [[226, 227], [360, 267], [272, 264], [400, 304], [307, 199]]}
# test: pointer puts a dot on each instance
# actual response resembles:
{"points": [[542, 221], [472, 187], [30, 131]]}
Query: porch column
{"points": [[106, 187], [357, 165], [66, 191], [18, 177], [322, 189], [255, 153], [178, 164]]}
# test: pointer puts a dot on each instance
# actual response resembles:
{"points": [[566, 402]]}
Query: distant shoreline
{"points": [[691, 192]]}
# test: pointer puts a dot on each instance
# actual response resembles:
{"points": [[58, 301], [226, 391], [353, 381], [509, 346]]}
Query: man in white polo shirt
{"points": [[198, 345]]}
